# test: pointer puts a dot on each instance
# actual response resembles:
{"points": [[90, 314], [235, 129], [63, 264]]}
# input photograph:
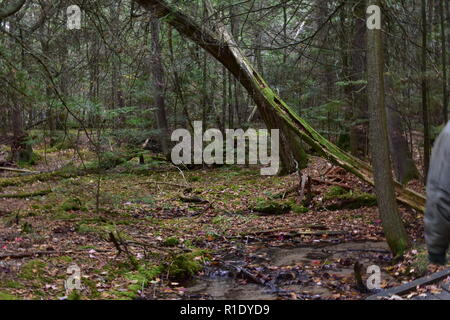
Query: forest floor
{"points": [[212, 233]]}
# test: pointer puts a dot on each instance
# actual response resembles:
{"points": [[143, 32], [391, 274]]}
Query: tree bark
{"points": [[444, 62], [393, 227], [159, 86], [404, 167], [424, 84], [358, 130]]}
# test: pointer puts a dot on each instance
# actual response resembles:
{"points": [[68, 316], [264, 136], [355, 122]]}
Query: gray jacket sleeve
{"points": [[437, 211]]}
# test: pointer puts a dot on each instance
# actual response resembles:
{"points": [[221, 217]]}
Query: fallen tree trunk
{"points": [[274, 111], [25, 195], [66, 173], [19, 170]]}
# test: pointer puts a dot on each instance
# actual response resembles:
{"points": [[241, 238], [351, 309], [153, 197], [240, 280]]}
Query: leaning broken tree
{"points": [[275, 112]]}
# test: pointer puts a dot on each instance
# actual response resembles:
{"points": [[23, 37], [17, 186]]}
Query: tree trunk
{"points": [[393, 228], [20, 149], [159, 86], [274, 111], [358, 129], [404, 167], [425, 112], [444, 62]]}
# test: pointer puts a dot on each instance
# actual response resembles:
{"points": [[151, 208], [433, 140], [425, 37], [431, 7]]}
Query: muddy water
{"points": [[225, 284]]}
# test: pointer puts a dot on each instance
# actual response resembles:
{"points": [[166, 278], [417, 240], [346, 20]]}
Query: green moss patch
{"points": [[7, 296], [171, 242], [185, 265], [271, 207], [349, 199], [33, 270], [26, 194], [72, 204]]}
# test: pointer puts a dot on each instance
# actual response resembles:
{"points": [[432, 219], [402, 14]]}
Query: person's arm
{"points": [[437, 227], [437, 214]]}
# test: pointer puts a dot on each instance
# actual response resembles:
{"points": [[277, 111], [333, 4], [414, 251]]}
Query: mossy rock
{"points": [[271, 207], [184, 266]]}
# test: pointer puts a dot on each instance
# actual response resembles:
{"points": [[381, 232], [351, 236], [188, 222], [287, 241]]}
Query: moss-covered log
{"points": [[274, 111], [108, 161], [25, 194]]}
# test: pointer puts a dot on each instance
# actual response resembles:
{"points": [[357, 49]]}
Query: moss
{"points": [[33, 270], [87, 247], [171, 242], [69, 171], [74, 295], [102, 231], [27, 228], [11, 284], [220, 220], [92, 288], [194, 179], [26, 194], [29, 159], [72, 204], [140, 279], [144, 200], [7, 296], [419, 265], [185, 265], [62, 259], [271, 207], [349, 199], [335, 192], [111, 160], [299, 209]]}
